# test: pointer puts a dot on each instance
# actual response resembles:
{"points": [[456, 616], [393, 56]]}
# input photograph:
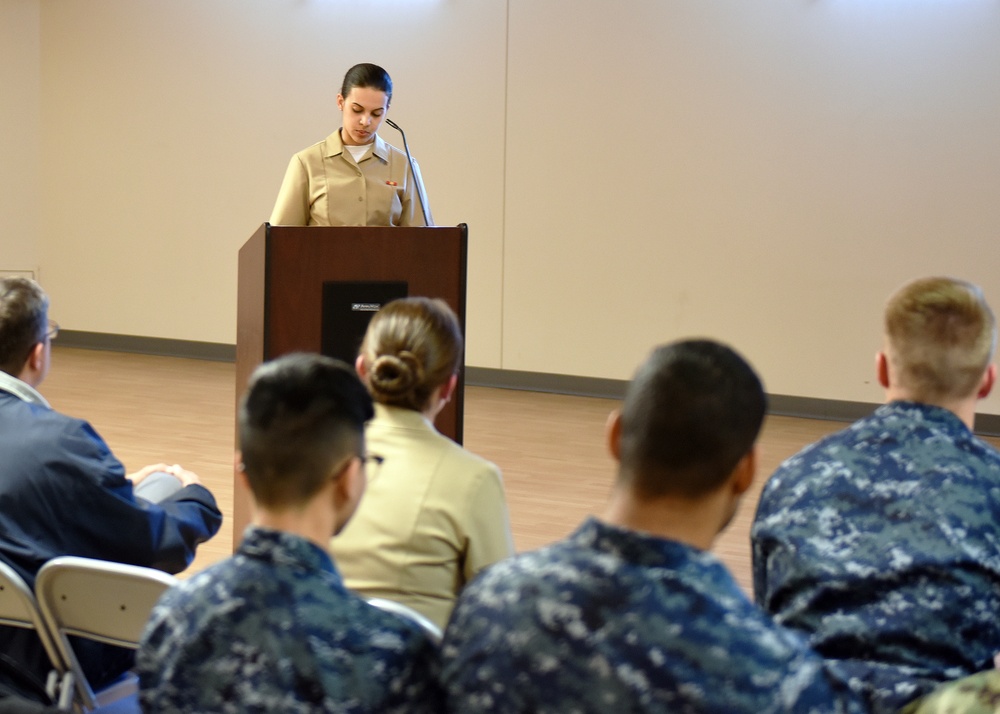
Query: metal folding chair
{"points": [[102, 601], [426, 624]]}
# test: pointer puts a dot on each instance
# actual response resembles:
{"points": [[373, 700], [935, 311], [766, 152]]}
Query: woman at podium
{"points": [[353, 177], [434, 514]]}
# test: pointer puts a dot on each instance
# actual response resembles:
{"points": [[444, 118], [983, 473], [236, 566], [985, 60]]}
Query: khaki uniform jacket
{"points": [[324, 186], [432, 517]]}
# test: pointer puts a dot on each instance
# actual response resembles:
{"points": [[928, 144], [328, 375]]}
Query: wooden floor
{"points": [[551, 448]]}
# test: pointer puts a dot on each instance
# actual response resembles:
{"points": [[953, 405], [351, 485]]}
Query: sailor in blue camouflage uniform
{"points": [[631, 613], [273, 629], [882, 541]]}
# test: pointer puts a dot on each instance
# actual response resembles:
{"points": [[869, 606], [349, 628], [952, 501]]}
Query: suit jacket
{"points": [[62, 492]]}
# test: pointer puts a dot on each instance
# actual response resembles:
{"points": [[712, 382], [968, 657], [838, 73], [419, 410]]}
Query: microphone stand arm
{"points": [[416, 178]]}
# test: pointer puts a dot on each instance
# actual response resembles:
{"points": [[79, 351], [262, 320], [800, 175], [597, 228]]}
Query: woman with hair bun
{"points": [[354, 177], [434, 514]]}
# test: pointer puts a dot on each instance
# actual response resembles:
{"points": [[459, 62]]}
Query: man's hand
{"points": [[187, 478]]}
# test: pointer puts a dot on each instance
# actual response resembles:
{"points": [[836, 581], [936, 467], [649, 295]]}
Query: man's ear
{"points": [[241, 475], [744, 472], [348, 488], [33, 370], [37, 356], [349, 485], [989, 379], [239, 468], [613, 431], [882, 368]]}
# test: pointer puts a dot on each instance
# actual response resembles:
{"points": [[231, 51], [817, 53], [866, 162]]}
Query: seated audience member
{"points": [[882, 541], [273, 629], [631, 613], [64, 493], [435, 514]]}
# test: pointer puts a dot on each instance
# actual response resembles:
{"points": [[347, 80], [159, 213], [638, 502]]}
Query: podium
{"points": [[309, 289]]}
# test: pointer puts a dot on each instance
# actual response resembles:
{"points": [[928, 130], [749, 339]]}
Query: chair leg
{"points": [[52, 686], [67, 692]]}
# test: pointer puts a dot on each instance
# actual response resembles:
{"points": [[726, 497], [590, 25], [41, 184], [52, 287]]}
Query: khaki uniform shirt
{"points": [[324, 186], [432, 517]]}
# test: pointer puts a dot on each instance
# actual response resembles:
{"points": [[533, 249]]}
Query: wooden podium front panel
{"points": [[299, 260], [282, 270]]}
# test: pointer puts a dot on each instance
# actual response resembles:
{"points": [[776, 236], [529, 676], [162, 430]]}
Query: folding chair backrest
{"points": [[430, 629], [99, 600], [17, 603], [18, 608]]}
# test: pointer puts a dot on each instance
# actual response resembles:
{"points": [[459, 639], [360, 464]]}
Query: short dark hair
{"points": [[301, 417], [24, 309], [693, 410], [368, 75]]}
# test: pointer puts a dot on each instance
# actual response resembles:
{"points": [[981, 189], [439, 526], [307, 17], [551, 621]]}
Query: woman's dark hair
{"points": [[411, 348], [368, 75]]}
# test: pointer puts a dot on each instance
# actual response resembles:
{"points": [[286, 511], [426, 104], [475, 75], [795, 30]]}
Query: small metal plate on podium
{"points": [[348, 307]]}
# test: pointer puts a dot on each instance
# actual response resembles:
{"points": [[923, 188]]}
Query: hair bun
{"points": [[394, 375]]}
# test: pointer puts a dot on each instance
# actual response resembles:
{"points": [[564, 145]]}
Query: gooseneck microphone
{"points": [[413, 172]]}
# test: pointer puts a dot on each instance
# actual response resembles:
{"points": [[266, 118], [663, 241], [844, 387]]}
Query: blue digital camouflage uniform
{"points": [[883, 542], [273, 629], [610, 620]]}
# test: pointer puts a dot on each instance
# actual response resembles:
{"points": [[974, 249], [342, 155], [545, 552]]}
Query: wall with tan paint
{"points": [[764, 173]]}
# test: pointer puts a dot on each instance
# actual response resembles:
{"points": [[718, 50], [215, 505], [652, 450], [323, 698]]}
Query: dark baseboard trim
{"points": [[544, 382], [212, 351], [836, 410], [780, 404], [810, 408], [988, 424], [615, 389]]}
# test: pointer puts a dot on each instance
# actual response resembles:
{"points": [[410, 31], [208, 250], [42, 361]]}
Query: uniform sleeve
{"points": [[771, 524], [292, 206], [417, 686], [759, 560], [487, 527], [784, 527], [759, 556], [412, 213], [93, 509]]}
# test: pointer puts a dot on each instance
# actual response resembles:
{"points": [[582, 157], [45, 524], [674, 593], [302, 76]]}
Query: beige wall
{"points": [[20, 87], [175, 121], [765, 172], [761, 172]]}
